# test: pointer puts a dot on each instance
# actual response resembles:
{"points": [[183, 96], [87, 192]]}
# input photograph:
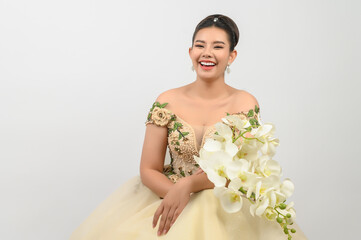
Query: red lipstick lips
{"points": [[207, 64]]}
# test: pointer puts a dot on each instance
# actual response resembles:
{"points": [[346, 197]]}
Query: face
{"points": [[210, 52]]}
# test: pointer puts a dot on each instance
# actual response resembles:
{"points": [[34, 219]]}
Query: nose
{"points": [[207, 52]]}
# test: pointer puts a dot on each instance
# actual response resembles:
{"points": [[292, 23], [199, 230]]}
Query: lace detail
{"points": [[182, 143]]}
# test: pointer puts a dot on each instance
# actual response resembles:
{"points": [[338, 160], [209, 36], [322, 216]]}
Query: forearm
{"points": [[156, 181], [198, 182]]}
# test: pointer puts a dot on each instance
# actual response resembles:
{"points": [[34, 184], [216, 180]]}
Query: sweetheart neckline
{"points": [[206, 127], [194, 133]]}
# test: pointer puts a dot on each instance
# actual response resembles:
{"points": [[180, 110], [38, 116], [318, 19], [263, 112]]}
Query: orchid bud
{"points": [[283, 206]]}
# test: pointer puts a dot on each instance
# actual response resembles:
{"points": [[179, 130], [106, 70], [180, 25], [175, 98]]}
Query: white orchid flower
{"points": [[259, 207], [249, 151], [269, 146], [289, 209], [267, 198], [287, 188], [270, 214], [264, 184], [215, 166], [264, 130], [212, 145], [224, 132], [269, 167], [237, 168], [237, 122], [230, 199]]}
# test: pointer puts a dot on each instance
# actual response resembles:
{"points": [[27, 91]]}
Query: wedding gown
{"points": [[128, 212]]}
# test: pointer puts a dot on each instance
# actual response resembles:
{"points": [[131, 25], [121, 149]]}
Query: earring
{"points": [[192, 68], [228, 69]]}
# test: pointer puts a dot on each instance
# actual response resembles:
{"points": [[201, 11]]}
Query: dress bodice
{"points": [[184, 140]]}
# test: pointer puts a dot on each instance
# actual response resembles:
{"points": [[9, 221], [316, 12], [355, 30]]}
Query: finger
{"points": [[169, 220], [163, 220], [157, 214], [175, 216], [178, 212]]}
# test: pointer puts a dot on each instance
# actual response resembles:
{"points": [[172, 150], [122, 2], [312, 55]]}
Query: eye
{"points": [[198, 45], [218, 47]]}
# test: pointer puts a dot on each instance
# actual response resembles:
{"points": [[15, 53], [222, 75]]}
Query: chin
{"points": [[209, 75]]}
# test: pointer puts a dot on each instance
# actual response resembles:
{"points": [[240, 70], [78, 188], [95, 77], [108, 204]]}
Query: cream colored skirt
{"points": [[128, 214]]}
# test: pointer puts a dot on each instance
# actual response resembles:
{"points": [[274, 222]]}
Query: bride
{"points": [[176, 201]]}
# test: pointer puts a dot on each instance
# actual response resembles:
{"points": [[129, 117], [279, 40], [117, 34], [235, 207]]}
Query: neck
{"points": [[209, 89]]}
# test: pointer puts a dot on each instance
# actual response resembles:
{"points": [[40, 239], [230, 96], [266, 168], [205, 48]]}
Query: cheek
{"points": [[196, 54]]}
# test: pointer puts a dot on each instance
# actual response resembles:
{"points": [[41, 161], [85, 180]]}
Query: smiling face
{"points": [[210, 53]]}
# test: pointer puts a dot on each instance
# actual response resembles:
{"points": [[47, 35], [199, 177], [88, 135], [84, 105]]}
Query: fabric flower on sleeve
{"points": [[160, 116]]}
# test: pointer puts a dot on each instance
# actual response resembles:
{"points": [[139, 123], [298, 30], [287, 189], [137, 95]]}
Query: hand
{"points": [[172, 205]]}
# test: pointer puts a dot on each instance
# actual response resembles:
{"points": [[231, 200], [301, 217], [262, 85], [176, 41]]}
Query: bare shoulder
{"points": [[168, 96], [165, 96], [245, 100]]}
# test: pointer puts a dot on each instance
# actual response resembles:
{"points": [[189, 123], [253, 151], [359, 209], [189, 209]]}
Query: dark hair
{"points": [[222, 22]]}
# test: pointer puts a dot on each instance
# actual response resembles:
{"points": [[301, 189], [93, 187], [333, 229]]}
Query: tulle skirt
{"points": [[128, 214]]}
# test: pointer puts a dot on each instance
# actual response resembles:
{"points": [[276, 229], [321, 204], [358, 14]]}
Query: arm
{"points": [[152, 160], [153, 156]]}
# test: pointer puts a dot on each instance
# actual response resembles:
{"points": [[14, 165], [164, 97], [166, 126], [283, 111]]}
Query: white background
{"points": [[77, 79]]}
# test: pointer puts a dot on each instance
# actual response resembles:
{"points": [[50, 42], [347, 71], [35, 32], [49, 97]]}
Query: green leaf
{"points": [[179, 136], [252, 121], [171, 161], [163, 105], [182, 173], [253, 195], [256, 109], [175, 126], [185, 133], [250, 113], [177, 143], [242, 190]]}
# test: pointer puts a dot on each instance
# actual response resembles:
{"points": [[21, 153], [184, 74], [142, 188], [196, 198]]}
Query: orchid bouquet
{"points": [[238, 160]]}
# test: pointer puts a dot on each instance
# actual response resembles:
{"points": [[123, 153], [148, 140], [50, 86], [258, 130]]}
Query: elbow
{"points": [[146, 175], [142, 174]]}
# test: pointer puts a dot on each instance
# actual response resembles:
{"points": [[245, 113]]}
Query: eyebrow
{"points": [[201, 41]]}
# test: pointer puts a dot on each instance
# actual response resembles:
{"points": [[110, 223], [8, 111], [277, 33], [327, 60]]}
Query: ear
{"points": [[232, 56], [189, 51]]}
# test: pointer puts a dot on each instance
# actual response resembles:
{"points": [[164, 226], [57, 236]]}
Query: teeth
{"points": [[208, 63]]}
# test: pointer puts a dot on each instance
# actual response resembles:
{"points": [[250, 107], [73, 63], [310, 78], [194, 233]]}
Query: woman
{"points": [[176, 201]]}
